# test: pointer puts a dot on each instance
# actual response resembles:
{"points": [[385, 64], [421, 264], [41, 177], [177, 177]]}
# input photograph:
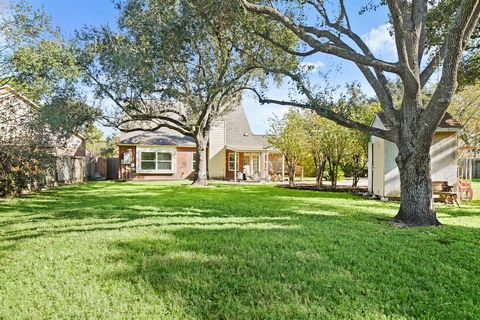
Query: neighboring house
{"points": [[17, 113], [383, 173], [233, 150]]}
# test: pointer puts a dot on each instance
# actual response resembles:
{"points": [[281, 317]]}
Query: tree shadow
{"points": [[259, 251], [294, 273]]}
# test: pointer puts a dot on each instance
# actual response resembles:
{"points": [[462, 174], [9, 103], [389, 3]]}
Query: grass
{"points": [[171, 251]]}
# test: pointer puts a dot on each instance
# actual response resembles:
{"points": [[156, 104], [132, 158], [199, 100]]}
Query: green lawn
{"points": [[171, 251]]}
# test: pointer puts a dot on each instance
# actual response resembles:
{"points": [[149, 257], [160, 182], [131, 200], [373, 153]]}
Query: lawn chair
{"points": [[465, 189]]}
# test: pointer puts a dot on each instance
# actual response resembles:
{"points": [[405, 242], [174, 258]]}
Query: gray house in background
{"points": [[233, 150], [383, 174]]}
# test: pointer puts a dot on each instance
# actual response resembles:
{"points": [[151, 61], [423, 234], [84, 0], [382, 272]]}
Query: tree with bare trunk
{"points": [[289, 135], [413, 121]]}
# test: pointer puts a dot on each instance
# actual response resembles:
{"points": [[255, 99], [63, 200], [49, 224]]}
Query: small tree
{"points": [[36, 61], [465, 108], [316, 134], [288, 135]]}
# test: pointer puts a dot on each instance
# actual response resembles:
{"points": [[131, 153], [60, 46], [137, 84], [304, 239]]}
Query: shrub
{"points": [[24, 167]]}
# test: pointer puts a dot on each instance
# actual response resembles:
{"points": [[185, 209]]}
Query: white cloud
{"points": [[380, 41], [312, 66]]}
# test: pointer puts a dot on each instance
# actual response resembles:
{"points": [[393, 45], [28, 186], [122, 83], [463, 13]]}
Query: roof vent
{"points": [[245, 134]]}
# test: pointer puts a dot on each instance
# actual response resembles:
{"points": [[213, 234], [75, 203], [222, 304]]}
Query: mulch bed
{"points": [[327, 188]]}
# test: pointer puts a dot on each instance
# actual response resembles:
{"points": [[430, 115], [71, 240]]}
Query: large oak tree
{"points": [[413, 121], [173, 64]]}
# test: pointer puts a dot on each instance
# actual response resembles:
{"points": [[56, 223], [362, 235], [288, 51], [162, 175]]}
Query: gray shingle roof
{"points": [[240, 135], [164, 136]]}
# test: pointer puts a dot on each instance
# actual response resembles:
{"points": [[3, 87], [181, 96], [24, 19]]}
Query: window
{"points": [[156, 161], [256, 167], [164, 161], [232, 164]]}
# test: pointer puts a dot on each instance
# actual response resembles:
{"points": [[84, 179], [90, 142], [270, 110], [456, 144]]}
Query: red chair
{"points": [[465, 188]]}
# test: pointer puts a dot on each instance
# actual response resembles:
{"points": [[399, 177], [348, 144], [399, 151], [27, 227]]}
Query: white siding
{"points": [[216, 151], [444, 161], [370, 167], [378, 165], [391, 173]]}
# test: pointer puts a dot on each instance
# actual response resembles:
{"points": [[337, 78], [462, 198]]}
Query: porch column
{"points": [[266, 166], [235, 167], [283, 167]]}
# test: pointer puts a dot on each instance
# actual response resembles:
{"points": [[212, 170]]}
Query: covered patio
{"points": [[250, 164]]}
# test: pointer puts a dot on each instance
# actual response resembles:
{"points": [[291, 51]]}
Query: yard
{"points": [[150, 251]]}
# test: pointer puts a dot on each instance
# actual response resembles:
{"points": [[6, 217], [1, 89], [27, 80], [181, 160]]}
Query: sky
{"points": [[71, 15]]}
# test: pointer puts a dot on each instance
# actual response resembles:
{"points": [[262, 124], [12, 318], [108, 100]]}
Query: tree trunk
{"points": [[333, 171], [291, 175], [416, 207], [356, 171], [201, 178], [320, 166]]}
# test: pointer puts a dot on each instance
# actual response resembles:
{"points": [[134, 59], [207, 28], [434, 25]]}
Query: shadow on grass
{"points": [[330, 270], [258, 251]]}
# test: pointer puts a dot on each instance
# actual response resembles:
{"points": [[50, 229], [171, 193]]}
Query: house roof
{"points": [[6, 91], [163, 136], [448, 122], [239, 134]]}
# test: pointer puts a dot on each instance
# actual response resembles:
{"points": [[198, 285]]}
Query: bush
{"points": [[23, 167]]}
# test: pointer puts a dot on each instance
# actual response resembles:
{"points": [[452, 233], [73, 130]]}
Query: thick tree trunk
{"points": [[201, 178], [416, 207], [291, 175]]}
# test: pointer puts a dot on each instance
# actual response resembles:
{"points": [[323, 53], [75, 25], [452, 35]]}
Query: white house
{"points": [[383, 174]]}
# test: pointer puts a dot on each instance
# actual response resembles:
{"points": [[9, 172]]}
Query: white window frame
{"points": [[255, 168], [156, 150], [230, 162]]}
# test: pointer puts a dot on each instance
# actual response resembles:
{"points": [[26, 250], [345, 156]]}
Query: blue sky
{"points": [[70, 15]]}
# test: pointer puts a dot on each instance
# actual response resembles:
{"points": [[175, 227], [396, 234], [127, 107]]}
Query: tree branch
{"points": [[305, 34], [325, 111]]}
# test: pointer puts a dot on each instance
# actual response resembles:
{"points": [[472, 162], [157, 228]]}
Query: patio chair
{"points": [[465, 189]]}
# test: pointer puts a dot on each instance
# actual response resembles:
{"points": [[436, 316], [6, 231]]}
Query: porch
{"points": [[255, 165]]}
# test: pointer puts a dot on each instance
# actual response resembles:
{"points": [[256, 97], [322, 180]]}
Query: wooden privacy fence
{"points": [[71, 169], [98, 168], [476, 168], [469, 168]]}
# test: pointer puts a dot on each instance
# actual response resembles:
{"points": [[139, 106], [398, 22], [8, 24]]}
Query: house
{"points": [[234, 151], [17, 113], [383, 173]]}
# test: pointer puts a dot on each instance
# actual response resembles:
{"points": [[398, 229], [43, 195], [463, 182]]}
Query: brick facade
{"points": [[183, 165]]}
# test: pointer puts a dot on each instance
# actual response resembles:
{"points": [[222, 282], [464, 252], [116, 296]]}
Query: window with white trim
{"points": [[232, 164], [256, 164], [156, 161]]}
